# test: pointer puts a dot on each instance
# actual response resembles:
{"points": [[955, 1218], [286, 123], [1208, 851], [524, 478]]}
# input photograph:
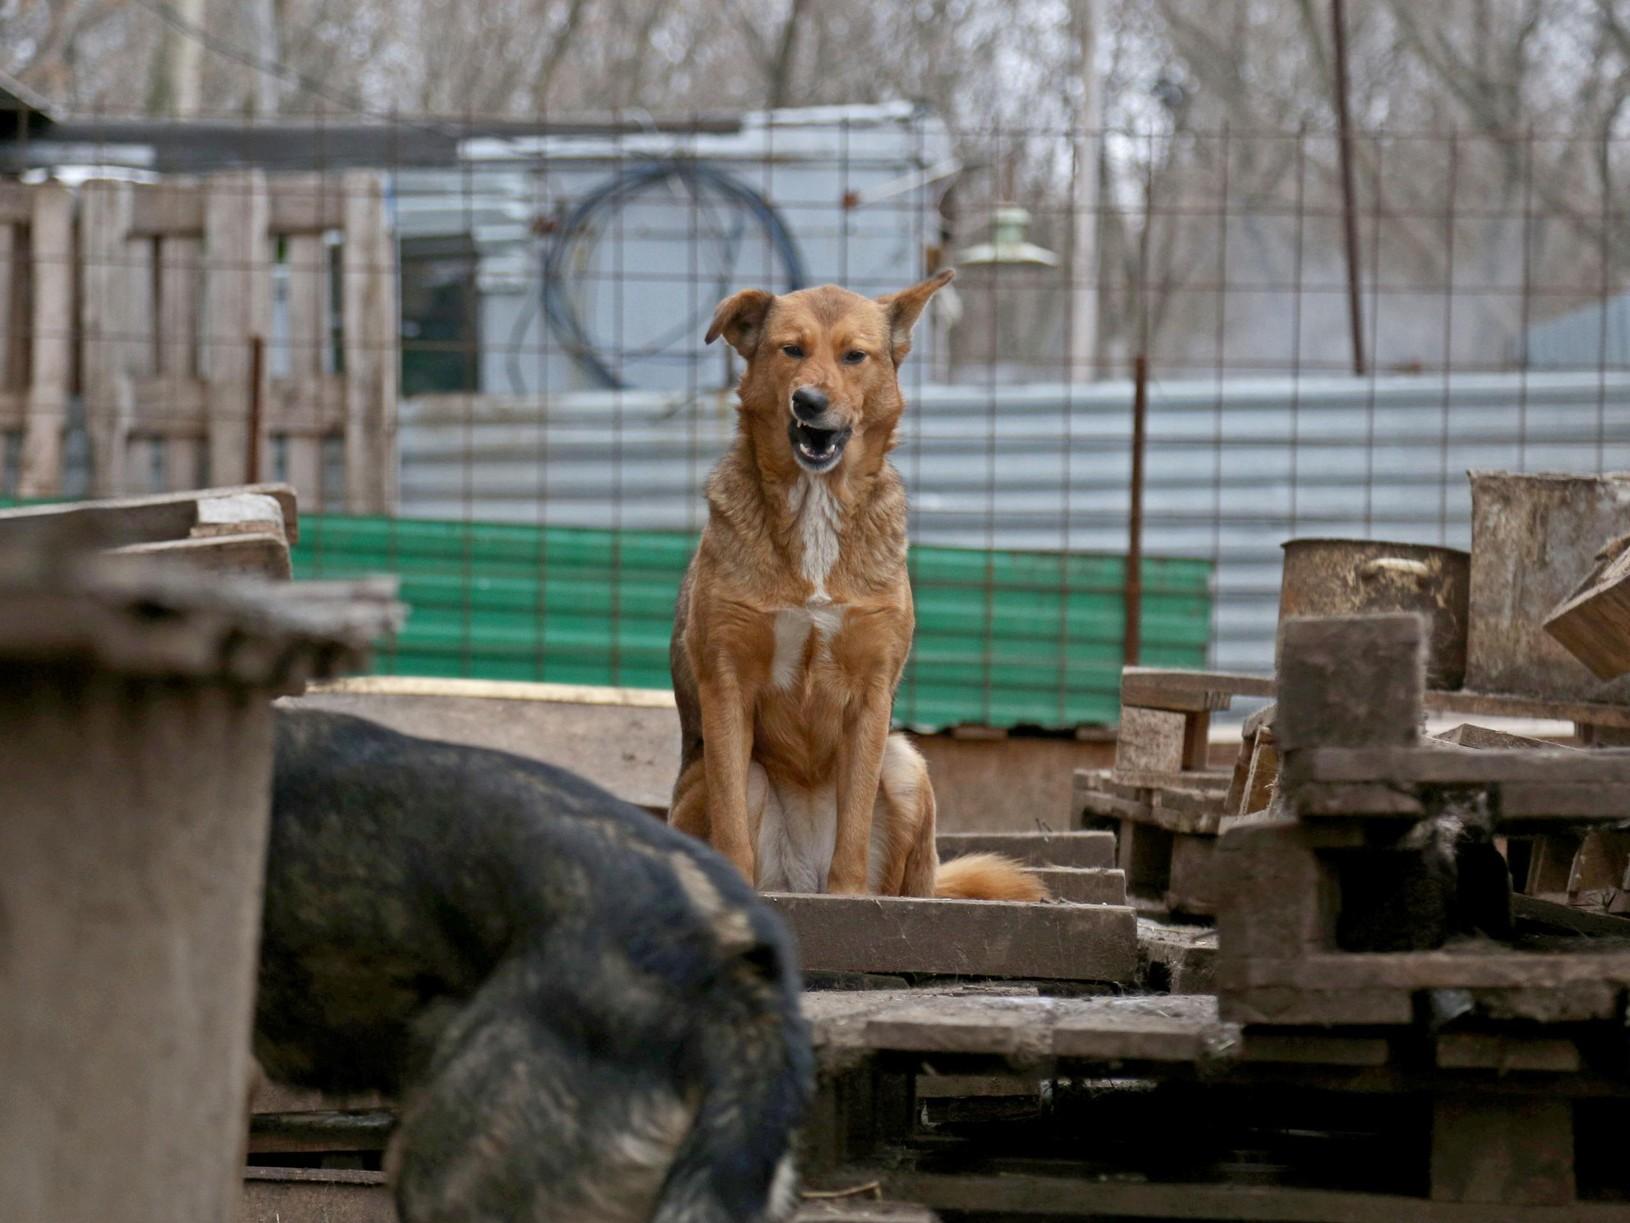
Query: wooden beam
{"points": [[1485, 739], [1594, 623], [368, 321], [1196, 691], [1034, 848], [976, 938], [237, 309], [315, 1195], [1027, 1192], [133, 520], [1586, 713], [252, 555], [1444, 767], [51, 250], [1350, 681], [1094, 885], [1150, 740]]}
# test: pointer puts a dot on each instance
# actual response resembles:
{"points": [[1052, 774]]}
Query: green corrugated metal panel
{"points": [[1003, 638]]}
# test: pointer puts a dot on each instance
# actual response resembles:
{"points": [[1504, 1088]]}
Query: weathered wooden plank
{"points": [[170, 406], [1178, 958], [1161, 779], [1301, 1048], [1093, 885], [130, 520], [1520, 800], [1412, 970], [1566, 917], [170, 209], [1234, 800], [1484, 738], [1170, 1028], [309, 338], [1015, 1192], [1442, 766], [237, 305], [1356, 799], [1192, 884], [1533, 537], [255, 555], [1505, 1053], [321, 1130], [368, 322], [180, 282], [1260, 720], [892, 934], [1018, 1028], [312, 406], [857, 1209], [1034, 848], [306, 204], [308, 301], [16, 203], [1350, 681], [1262, 775], [51, 343], [315, 1195], [106, 327], [1489, 704], [1150, 740], [1277, 895], [1197, 691], [1594, 624]]}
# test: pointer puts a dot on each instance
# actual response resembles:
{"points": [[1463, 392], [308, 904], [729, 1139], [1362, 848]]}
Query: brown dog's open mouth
{"points": [[816, 449]]}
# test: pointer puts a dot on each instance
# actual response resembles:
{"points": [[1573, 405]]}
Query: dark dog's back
{"points": [[588, 1016]]}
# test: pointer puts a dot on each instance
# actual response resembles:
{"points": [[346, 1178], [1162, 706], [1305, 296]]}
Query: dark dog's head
{"points": [[822, 384]]}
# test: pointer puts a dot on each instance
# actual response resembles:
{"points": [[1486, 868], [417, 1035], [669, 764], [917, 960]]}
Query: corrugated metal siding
{"points": [[1002, 638], [1596, 337], [1234, 467]]}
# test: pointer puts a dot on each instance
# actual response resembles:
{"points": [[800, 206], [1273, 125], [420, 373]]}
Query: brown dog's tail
{"points": [[986, 877]]}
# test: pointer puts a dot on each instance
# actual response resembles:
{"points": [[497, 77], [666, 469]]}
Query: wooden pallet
{"points": [[969, 938], [1188, 1115], [322, 1195], [1358, 776], [1165, 836]]}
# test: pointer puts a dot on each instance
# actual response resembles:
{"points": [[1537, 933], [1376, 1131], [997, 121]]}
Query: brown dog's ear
{"points": [[740, 319], [906, 306]]}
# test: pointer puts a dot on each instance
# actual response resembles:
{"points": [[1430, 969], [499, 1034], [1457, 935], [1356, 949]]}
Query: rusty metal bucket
{"points": [[1345, 577]]}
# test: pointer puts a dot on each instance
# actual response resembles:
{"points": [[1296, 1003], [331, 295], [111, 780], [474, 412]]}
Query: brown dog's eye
{"points": [[853, 357], [792, 350]]}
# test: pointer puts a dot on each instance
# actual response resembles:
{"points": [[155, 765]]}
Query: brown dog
{"points": [[795, 617]]}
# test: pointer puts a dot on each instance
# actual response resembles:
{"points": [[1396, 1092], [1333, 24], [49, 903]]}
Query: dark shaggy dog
{"points": [[587, 1016]]}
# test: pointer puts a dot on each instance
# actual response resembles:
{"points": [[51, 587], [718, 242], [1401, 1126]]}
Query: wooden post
{"points": [[106, 325], [50, 341], [309, 317], [178, 322], [368, 320], [237, 303]]}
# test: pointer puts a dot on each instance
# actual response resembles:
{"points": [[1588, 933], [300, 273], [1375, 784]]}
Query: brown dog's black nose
{"points": [[808, 404]]}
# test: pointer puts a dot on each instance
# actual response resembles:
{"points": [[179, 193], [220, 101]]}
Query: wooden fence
{"points": [[218, 330]]}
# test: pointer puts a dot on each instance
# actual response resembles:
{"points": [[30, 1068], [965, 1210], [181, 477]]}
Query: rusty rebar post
{"points": [[1349, 212], [257, 377]]}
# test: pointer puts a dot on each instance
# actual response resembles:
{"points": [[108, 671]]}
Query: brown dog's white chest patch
{"points": [[817, 514], [793, 626]]}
